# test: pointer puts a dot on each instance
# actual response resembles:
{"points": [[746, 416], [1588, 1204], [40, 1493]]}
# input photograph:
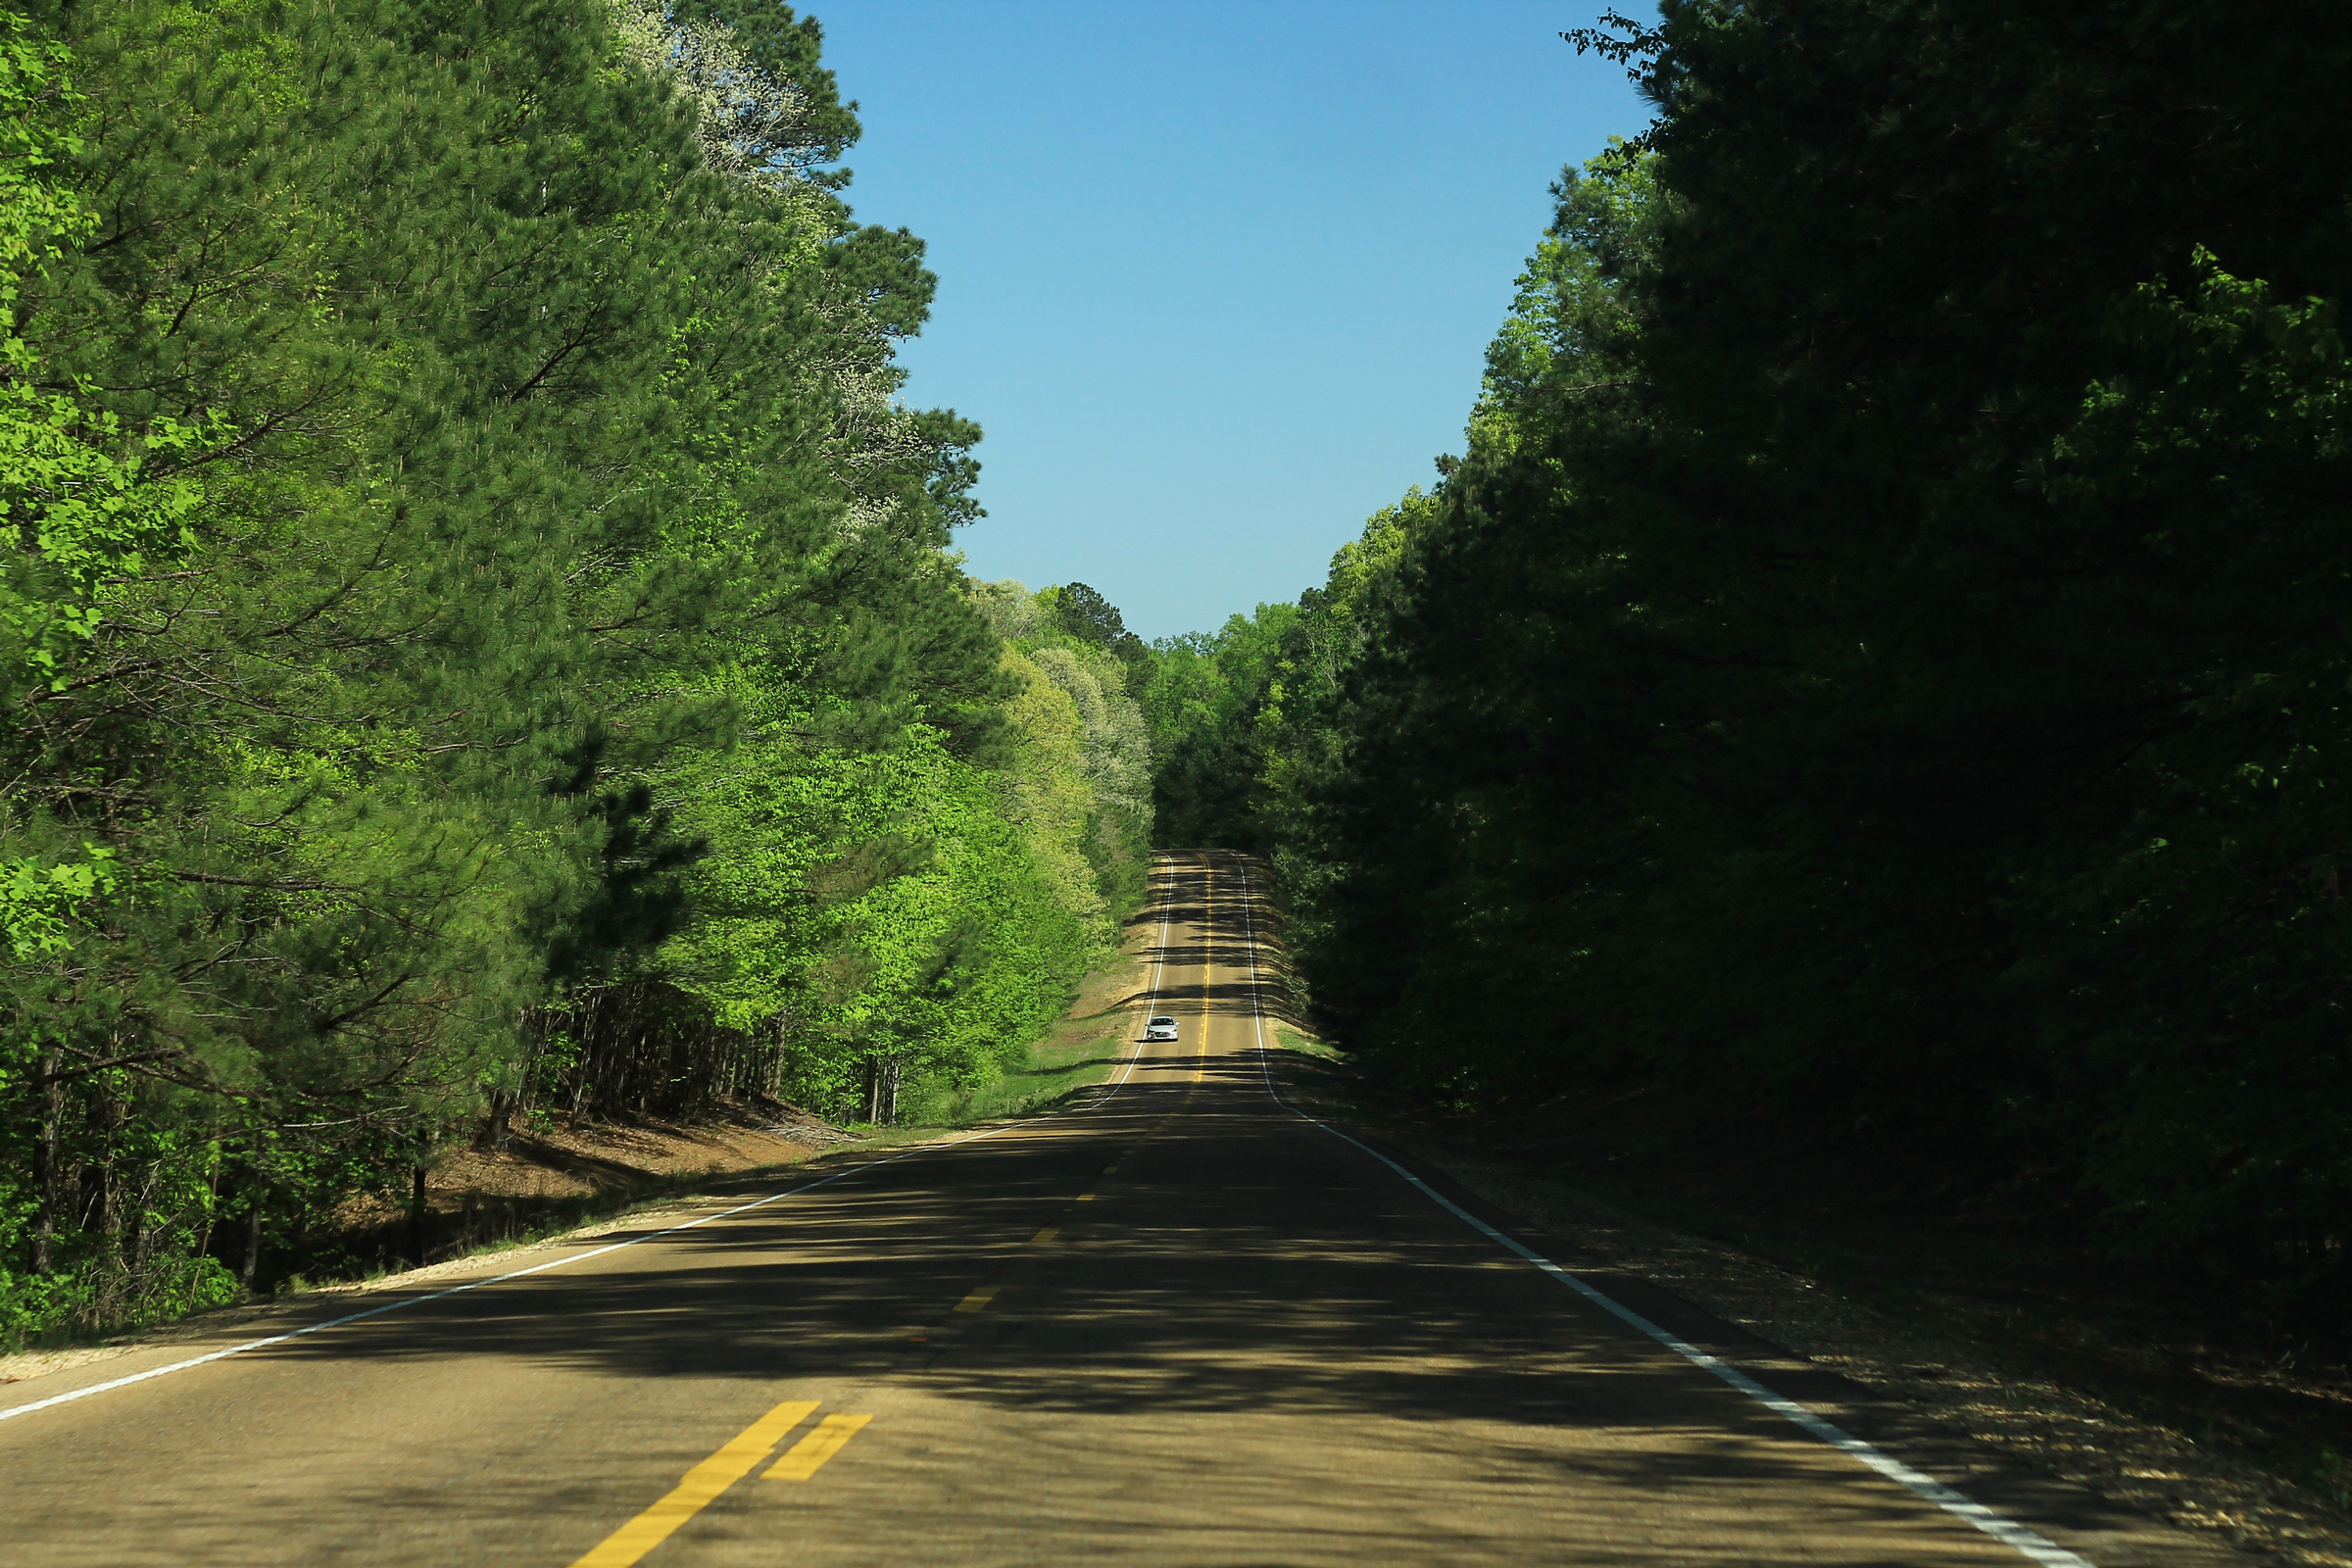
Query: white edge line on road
{"points": [[474, 1285], [68, 1397], [2028, 1544]]}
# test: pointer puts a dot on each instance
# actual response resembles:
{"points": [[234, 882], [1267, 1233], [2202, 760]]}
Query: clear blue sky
{"points": [[1215, 278]]}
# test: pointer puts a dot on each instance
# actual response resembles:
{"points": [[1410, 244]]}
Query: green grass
{"points": [[1305, 1045], [1078, 1055]]}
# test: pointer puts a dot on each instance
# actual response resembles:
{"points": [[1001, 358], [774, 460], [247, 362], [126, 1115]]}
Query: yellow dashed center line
{"points": [[806, 1456], [705, 1482], [740, 1456]]}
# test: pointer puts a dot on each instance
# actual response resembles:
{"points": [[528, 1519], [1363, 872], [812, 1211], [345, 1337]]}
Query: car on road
{"points": [[1160, 1029]]}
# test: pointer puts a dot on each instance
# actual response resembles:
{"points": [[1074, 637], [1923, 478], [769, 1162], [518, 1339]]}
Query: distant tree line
{"points": [[479, 640], [1885, 651]]}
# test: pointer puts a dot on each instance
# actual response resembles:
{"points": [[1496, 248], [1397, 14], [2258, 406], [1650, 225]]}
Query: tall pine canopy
{"points": [[1881, 654], [480, 637]]}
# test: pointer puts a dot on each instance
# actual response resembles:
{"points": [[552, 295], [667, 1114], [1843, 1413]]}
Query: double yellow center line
{"points": [[731, 1463], [742, 1454]]}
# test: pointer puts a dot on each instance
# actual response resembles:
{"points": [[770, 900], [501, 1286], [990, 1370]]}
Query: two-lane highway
{"points": [[1177, 1324]]}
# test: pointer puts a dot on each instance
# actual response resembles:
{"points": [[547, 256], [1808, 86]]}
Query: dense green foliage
{"points": [[1082, 790], [1883, 653], [480, 636]]}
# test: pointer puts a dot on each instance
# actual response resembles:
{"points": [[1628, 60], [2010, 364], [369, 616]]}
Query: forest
{"points": [[1879, 654], [484, 642], [483, 639]]}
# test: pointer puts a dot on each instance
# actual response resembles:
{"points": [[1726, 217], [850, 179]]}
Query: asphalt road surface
{"points": [[1179, 1323]]}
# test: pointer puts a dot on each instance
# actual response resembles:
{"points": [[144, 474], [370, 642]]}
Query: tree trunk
{"points": [[416, 1217], [211, 1204], [252, 1237], [494, 1121], [881, 1089], [44, 1165], [138, 1238], [519, 1103], [108, 1198]]}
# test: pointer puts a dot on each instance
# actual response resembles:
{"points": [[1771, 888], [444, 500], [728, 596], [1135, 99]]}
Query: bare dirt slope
{"points": [[611, 1156], [552, 1182]]}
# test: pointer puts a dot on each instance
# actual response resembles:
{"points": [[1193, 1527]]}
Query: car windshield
{"points": [[1158, 1021]]}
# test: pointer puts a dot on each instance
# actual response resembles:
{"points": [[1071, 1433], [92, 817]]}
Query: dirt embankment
{"points": [[555, 1184], [555, 1171], [604, 1157], [559, 1173], [558, 1180]]}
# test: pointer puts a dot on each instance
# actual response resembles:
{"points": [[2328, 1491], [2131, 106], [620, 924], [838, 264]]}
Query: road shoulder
{"points": [[2117, 1486]]}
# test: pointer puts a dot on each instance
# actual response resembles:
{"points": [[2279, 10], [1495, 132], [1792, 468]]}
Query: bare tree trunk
{"points": [[882, 1090], [253, 1236], [44, 1165], [522, 1106], [140, 1241], [417, 1216], [111, 1114], [211, 1204]]}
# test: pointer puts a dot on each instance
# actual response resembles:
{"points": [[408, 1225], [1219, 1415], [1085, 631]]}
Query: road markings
{"points": [[1160, 959], [1086, 1198], [1136, 1056], [2028, 1544], [808, 1455], [1044, 1236], [704, 1482], [978, 1301]]}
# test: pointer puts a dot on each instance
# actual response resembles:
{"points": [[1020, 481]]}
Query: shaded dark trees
{"points": [[1881, 649]]}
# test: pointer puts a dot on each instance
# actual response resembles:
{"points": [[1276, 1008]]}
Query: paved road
{"points": [[1181, 1325]]}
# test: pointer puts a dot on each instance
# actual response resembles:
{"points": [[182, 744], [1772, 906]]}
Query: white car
{"points": [[1160, 1029]]}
